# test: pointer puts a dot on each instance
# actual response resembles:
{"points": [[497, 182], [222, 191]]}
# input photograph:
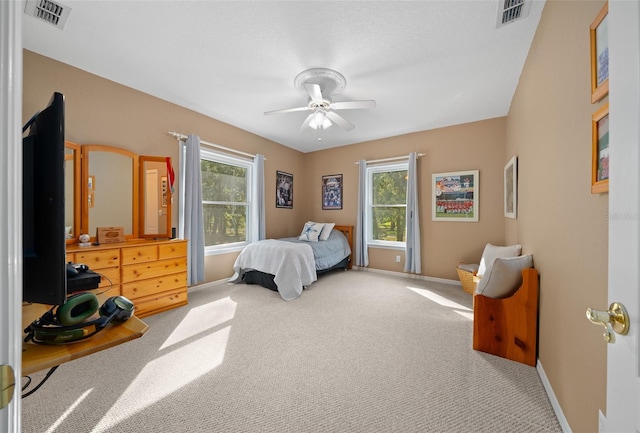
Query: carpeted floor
{"points": [[357, 352]]}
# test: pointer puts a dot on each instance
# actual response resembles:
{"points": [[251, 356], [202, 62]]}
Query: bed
{"points": [[287, 265]]}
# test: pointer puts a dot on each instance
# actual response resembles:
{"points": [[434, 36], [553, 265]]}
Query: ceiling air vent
{"points": [[55, 14], [512, 10]]}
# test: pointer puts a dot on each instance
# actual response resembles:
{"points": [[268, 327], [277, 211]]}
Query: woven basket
{"points": [[468, 280]]}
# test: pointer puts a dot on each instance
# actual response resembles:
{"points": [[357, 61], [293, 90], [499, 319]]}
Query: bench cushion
{"points": [[504, 277]]}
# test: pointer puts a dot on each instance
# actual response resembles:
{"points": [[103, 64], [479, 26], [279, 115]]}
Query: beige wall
{"points": [[99, 111], [472, 146], [560, 222]]}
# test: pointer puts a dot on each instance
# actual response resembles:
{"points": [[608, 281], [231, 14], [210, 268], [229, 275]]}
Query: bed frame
{"points": [[347, 231], [266, 280]]}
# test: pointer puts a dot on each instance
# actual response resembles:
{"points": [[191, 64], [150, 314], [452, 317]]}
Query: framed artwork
{"points": [[455, 196], [284, 190], [332, 191], [511, 188], [600, 150], [164, 187], [599, 55], [91, 183]]}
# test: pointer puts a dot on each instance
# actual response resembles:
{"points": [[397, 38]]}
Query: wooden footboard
{"points": [[348, 232]]}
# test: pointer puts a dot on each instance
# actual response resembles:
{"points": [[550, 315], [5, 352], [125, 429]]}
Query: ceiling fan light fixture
{"points": [[320, 121], [319, 84]]}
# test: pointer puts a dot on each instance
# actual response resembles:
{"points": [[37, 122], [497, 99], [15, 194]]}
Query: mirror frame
{"points": [[141, 195], [86, 156], [77, 173]]}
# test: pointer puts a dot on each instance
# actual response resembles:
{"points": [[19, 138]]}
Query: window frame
{"points": [[223, 158], [371, 170]]}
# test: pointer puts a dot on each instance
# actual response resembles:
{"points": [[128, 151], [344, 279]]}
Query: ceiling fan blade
{"points": [[351, 105], [306, 122], [286, 110], [314, 92], [339, 120]]}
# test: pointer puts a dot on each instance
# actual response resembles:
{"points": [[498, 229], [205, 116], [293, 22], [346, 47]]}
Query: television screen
{"points": [[44, 270]]}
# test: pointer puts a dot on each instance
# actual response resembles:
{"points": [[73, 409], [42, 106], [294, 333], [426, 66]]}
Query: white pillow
{"points": [[311, 231], [491, 252], [326, 231], [505, 276]]}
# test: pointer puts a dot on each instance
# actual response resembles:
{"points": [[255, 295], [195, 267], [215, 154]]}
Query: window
{"points": [[387, 204], [226, 201]]}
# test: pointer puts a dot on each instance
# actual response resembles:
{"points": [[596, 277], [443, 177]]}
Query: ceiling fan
{"points": [[320, 84]]}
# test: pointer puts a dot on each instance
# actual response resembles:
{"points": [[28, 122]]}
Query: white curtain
{"points": [[259, 209], [362, 252], [412, 252], [193, 215]]}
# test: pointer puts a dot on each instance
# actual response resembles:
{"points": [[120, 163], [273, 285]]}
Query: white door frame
{"points": [[11, 204]]}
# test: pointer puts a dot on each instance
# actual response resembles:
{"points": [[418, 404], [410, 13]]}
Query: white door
{"points": [[623, 360], [11, 203], [151, 201]]}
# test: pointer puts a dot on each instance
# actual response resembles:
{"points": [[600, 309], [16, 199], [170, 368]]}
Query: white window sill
{"points": [[397, 247], [225, 249]]}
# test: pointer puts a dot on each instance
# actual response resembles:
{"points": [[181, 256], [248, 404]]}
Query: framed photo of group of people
{"points": [[455, 196]]}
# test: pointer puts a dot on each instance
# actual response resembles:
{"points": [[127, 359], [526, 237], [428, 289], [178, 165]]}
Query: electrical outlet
{"points": [[397, 259]]}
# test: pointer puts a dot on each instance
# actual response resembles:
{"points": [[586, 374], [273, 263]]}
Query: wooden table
{"points": [[36, 357]]}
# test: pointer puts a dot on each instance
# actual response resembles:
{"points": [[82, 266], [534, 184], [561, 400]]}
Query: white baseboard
{"points": [[207, 284], [552, 398], [412, 276]]}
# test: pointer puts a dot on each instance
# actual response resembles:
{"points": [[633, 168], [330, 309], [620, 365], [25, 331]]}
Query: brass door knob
{"points": [[615, 319], [7, 385]]}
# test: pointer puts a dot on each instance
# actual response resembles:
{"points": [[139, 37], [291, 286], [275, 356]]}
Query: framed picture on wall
{"points": [[455, 196], [332, 191], [164, 188], [599, 55], [284, 190], [511, 188], [600, 150]]}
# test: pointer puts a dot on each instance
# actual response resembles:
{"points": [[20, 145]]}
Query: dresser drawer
{"points": [[109, 276], [158, 268], [173, 249], [99, 259], [153, 286], [161, 302], [139, 254]]}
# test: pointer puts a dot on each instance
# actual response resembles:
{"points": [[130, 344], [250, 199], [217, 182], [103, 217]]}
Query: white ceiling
{"points": [[427, 64]]}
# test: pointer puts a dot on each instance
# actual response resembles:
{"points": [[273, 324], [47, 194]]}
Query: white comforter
{"points": [[292, 264]]}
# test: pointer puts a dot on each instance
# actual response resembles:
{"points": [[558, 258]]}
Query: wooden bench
{"points": [[508, 327]]}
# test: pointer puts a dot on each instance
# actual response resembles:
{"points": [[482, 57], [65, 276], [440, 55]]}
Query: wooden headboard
{"points": [[347, 231]]}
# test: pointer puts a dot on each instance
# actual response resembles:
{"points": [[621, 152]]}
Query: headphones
{"points": [[67, 324]]}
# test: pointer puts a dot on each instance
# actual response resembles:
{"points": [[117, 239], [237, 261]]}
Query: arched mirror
{"points": [[109, 190], [72, 169], [155, 197]]}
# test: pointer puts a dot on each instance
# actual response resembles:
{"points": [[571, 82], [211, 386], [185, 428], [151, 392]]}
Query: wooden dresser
{"points": [[153, 274]]}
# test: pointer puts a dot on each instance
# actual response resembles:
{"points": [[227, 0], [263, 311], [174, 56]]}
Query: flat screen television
{"points": [[43, 237]]}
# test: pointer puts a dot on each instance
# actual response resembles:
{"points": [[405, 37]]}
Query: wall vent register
{"points": [[48, 11]]}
